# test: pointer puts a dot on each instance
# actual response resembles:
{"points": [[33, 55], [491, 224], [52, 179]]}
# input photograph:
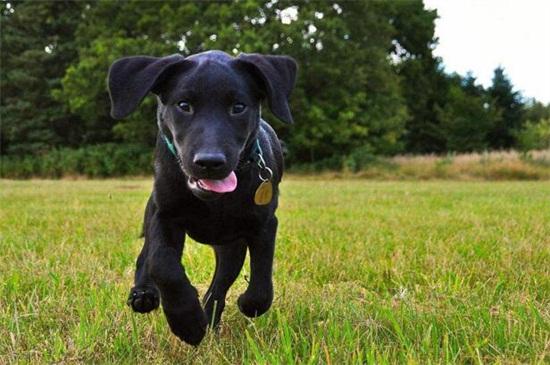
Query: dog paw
{"points": [[143, 300], [254, 305], [188, 324]]}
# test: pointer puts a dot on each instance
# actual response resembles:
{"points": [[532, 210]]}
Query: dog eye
{"points": [[185, 107], [238, 108]]}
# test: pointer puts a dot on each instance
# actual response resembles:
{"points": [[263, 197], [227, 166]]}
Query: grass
{"points": [[366, 272]]}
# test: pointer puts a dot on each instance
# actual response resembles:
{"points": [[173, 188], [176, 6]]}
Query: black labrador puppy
{"points": [[217, 170]]}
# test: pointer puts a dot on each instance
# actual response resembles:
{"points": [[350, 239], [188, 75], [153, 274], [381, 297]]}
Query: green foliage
{"points": [[467, 117], [37, 47], [367, 81], [509, 104], [424, 84], [536, 111], [359, 159], [534, 135], [349, 97], [337, 111], [102, 160]]}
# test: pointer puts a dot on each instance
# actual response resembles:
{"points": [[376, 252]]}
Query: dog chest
{"points": [[219, 227]]}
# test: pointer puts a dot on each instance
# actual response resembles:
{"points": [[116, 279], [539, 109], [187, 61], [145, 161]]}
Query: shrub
{"points": [[535, 136], [359, 159], [103, 160]]}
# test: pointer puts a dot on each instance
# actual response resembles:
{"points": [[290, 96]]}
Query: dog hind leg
{"points": [[257, 298], [229, 262]]}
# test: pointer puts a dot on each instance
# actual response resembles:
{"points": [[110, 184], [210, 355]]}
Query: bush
{"points": [[535, 136], [359, 159], [103, 160]]}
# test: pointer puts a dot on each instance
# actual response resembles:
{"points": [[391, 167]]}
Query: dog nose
{"points": [[209, 160]]}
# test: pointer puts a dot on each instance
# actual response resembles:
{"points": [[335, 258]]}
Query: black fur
{"points": [[211, 82]]}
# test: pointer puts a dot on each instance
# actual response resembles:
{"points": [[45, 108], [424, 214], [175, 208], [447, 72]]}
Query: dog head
{"points": [[208, 106]]}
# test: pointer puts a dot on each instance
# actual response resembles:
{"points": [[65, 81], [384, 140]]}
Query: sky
{"points": [[479, 35]]}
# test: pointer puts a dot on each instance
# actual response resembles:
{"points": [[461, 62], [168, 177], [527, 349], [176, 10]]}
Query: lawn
{"points": [[365, 272]]}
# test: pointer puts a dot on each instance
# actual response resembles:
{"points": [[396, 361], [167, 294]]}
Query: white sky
{"points": [[479, 35]]}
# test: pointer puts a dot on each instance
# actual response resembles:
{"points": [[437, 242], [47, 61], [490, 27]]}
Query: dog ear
{"points": [[131, 78], [277, 75]]}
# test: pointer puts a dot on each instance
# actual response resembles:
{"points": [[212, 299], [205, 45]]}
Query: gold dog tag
{"points": [[264, 193]]}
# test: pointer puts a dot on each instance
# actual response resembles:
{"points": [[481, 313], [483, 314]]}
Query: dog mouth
{"points": [[211, 188]]}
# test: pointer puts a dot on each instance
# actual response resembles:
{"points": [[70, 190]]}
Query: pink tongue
{"points": [[225, 185]]}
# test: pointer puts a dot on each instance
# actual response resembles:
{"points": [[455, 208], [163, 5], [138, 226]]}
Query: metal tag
{"points": [[264, 193]]}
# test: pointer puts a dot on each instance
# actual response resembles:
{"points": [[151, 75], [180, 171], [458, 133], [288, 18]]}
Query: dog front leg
{"points": [[179, 298], [257, 298], [144, 296]]}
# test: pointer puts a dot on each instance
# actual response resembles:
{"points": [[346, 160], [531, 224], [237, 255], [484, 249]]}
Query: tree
{"points": [[423, 81], [536, 111], [37, 47], [347, 95], [535, 132], [534, 136], [367, 81], [509, 104], [467, 116]]}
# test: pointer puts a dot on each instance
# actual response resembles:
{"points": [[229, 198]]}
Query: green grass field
{"points": [[365, 272]]}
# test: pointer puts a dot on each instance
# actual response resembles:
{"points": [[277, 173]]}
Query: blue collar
{"points": [[169, 144]]}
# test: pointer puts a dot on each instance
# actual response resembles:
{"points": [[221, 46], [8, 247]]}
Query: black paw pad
{"points": [[143, 300]]}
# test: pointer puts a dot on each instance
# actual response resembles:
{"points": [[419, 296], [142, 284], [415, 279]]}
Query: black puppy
{"points": [[217, 170]]}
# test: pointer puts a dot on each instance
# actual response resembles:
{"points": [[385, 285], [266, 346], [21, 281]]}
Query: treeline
{"points": [[368, 83]]}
